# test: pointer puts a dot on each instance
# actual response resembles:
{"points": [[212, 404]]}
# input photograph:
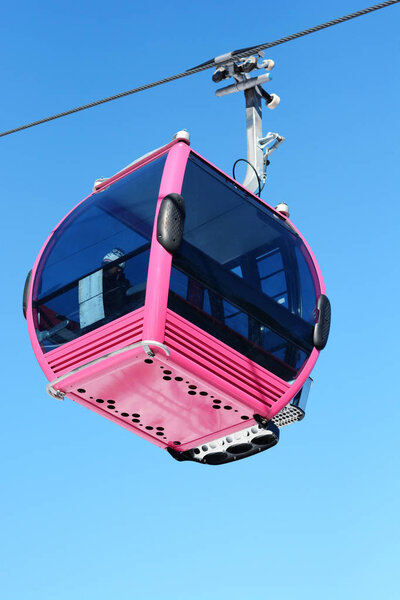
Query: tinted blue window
{"points": [[307, 309], [256, 294], [269, 262], [95, 266]]}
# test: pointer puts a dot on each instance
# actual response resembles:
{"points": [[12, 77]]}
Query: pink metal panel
{"points": [[156, 399], [235, 375], [187, 399], [208, 357], [108, 338], [160, 259]]}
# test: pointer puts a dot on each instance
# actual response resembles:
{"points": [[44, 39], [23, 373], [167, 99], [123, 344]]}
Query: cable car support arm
{"points": [[259, 147]]}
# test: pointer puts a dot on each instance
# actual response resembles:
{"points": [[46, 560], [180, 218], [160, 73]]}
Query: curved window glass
{"points": [[241, 273], [94, 268]]}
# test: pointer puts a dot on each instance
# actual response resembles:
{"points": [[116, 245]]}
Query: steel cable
{"points": [[236, 54]]}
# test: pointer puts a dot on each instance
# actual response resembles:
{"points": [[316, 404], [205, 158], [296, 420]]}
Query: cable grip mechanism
{"points": [[259, 147]]}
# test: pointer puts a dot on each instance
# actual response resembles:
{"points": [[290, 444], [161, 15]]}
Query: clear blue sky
{"points": [[92, 512]]}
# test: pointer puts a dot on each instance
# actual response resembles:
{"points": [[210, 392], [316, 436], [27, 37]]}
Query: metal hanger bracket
{"points": [[259, 147]]}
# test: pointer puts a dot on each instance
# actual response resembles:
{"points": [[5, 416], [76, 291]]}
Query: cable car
{"points": [[178, 304]]}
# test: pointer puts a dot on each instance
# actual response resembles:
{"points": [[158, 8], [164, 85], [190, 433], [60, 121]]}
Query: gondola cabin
{"points": [[182, 307]]}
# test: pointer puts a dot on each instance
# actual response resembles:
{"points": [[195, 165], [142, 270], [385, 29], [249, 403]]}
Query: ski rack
{"points": [[259, 147]]}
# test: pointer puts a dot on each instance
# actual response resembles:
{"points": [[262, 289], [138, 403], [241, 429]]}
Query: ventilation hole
{"points": [[135, 415], [227, 407], [161, 367], [196, 451], [211, 396], [135, 420], [215, 458], [167, 378], [159, 433], [216, 406], [205, 448], [236, 410], [160, 428], [264, 440], [192, 393], [178, 378], [91, 397], [99, 400], [188, 382], [216, 401], [81, 390], [148, 361], [176, 443], [203, 393], [124, 414], [239, 448], [149, 427], [116, 411], [168, 372], [193, 387], [110, 401], [244, 417], [110, 406]]}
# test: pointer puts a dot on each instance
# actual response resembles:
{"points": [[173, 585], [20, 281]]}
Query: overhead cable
{"points": [[244, 52], [236, 55]]}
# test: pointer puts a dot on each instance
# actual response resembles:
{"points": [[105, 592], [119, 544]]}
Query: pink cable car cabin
{"points": [[182, 307]]}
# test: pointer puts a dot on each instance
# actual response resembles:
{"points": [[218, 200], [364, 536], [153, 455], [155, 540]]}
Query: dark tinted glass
{"points": [[240, 273], [95, 267]]}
